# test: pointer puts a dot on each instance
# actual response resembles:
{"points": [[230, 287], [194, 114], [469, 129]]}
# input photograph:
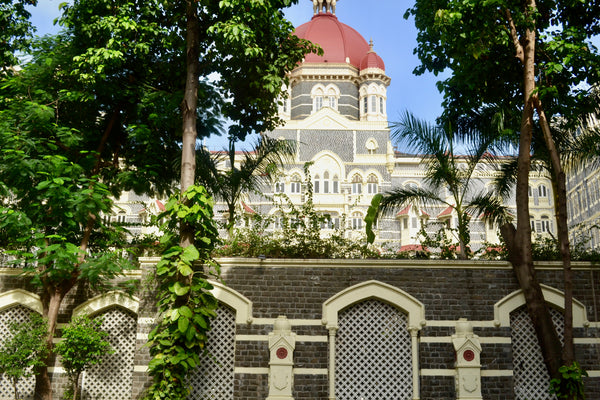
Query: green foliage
{"points": [[371, 217], [83, 344], [472, 40], [184, 300], [570, 385], [24, 349], [299, 233], [16, 30], [439, 245]]}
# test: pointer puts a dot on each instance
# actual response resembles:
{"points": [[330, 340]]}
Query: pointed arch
{"points": [[234, 299], [103, 302], [20, 297], [553, 297], [374, 290]]}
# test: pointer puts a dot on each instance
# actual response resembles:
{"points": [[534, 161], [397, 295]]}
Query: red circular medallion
{"points": [[281, 353], [469, 355]]}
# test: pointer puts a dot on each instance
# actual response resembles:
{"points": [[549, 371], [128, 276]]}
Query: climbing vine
{"points": [[184, 299]]}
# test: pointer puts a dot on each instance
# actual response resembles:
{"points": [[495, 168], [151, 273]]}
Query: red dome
{"points": [[337, 40], [372, 60]]}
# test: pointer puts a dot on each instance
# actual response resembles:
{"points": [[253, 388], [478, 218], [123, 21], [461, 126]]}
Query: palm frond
{"points": [[402, 197], [490, 208]]}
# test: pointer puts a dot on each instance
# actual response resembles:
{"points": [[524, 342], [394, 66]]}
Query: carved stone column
{"points": [[414, 337], [332, 333], [282, 342], [468, 365]]}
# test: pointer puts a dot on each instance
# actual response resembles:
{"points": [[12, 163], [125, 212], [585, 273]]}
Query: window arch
{"points": [[17, 306], [528, 375], [214, 377], [356, 184], [372, 184], [357, 220], [296, 184], [325, 96], [545, 225], [372, 146], [372, 98], [113, 377], [381, 307], [326, 182], [336, 184]]}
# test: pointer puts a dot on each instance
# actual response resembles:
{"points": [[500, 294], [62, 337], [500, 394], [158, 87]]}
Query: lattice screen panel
{"points": [[25, 386], [213, 379], [531, 379], [111, 379], [373, 358]]}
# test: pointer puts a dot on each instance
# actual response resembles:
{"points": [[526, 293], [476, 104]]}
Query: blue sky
{"points": [[382, 21]]}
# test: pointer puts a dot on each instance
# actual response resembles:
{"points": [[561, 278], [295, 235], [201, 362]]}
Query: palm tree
{"points": [[444, 169], [243, 174]]}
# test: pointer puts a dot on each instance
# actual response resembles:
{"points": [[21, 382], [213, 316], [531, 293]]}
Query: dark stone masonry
{"points": [[481, 292]]}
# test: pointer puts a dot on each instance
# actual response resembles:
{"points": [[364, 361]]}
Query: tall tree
{"points": [[16, 31], [535, 57], [250, 46]]}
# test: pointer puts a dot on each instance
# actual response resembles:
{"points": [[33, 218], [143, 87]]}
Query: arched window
{"points": [[542, 191], [356, 184], [112, 378], [326, 182], [530, 376], [373, 104], [316, 184], [373, 334], [336, 184], [15, 314], [295, 185], [279, 187], [372, 182], [372, 146], [545, 226], [357, 220], [214, 376]]}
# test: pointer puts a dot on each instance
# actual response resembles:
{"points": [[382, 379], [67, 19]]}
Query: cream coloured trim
{"points": [[265, 338], [20, 297], [553, 296], [234, 299], [437, 372], [100, 303], [496, 372], [251, 370], [310, 371], [378, 290], [293, 322]]}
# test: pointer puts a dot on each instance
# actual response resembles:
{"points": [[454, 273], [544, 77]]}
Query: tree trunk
{"points": [[51, 299], [560, 186], [519, 240], [14, 382], [188, 106], [76, 389]]}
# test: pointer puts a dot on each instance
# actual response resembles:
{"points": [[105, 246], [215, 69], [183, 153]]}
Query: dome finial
{"points": [[328, 5]]}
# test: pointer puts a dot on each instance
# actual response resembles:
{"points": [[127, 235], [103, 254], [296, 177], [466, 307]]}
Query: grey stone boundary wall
{"points": [[298, 289]]}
